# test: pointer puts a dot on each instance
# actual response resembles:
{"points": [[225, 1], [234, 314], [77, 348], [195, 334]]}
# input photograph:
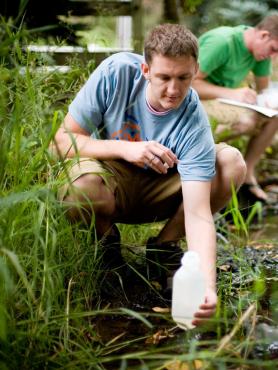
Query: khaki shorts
{"points": [[227, 120], [141, 195]]}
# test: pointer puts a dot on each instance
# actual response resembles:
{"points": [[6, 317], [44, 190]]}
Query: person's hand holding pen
{"points": [[244, 95]]}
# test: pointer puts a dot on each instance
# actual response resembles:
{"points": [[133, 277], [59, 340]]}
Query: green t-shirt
{"points": [[224, 57]]}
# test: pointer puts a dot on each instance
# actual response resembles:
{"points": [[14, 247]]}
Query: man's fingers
{"points": [[153, 157], [161, 162], [204, 313], [167, 156], [158, 165], [158, 157], [207, 306], [202, 316], [198, 322], [163, 153]]}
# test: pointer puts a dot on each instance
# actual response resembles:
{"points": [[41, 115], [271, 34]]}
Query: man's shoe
{"points": [[111, 250], [113, 266], [250, 203], [247, 195], [162, 260]]}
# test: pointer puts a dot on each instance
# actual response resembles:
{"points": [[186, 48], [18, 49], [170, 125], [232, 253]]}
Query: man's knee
{"points": [[230, 165], [83, 185], [91, 191], [246, 125], [230, 172]]}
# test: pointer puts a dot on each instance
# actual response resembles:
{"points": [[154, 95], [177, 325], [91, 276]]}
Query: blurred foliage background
{"points": [[200, 15]]}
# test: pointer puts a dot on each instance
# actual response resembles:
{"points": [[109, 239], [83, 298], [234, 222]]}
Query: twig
{"points": [[253, 326], [225, 340]]}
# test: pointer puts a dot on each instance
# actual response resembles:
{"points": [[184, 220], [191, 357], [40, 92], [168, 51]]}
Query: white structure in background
{"points": [[124, 37], [128, 37], [124, 32]]}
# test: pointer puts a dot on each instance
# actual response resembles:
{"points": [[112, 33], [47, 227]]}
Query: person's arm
{"points": [[71, 140], [201, 237], [207, 90], [261, 83]]}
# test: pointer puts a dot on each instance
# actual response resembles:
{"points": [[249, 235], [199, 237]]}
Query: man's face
{"points": [[264, 46], [169, 80]]}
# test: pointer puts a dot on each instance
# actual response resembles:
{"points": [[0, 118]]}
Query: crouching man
{"points": [[140, 149]]}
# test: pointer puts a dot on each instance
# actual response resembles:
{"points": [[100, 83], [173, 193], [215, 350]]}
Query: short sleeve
{"points": [[212, 52], [197, 154], [89, 105], [263, 68]]}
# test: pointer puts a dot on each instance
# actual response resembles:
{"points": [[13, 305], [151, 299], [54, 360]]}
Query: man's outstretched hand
{"points": [[207, 309]]}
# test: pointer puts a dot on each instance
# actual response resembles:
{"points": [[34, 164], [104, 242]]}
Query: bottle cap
{"points": [[190, 258]]}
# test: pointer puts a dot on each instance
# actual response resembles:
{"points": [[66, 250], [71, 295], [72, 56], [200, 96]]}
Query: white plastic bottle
{"points": [[188, 290]]}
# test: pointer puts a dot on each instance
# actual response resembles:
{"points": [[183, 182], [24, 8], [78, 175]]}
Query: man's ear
{"points": [[264, 34], [197, 68], [145, 70]]}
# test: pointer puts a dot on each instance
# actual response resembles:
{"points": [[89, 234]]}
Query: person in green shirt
{"points": [[227, 55]]}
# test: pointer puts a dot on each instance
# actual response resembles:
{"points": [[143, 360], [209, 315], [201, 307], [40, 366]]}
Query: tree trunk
{"points": [[171, 11]]}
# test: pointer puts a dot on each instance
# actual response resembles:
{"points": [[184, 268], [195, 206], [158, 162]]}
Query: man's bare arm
{"points": [[207, 90], [261, 83], [201, 237], [199, 225], [71, 140]]}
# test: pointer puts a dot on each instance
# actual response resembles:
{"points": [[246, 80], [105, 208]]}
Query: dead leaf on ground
{"points": [[159, 336], [161, 309], [156, 285], [254, 244], [225, 267]]}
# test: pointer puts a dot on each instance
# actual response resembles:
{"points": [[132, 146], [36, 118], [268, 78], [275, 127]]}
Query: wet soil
{"points": [[250, 270]]}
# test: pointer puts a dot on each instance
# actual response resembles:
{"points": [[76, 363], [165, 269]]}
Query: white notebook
{"points": [[267, 101], [269, 112]]}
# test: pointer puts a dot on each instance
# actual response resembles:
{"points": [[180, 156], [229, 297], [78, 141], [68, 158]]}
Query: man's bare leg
{"points": [[230, 169], [256, 147], [91, 201], [90, 197]]}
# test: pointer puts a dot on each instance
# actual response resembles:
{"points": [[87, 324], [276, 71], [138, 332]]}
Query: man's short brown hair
{"points": [[270, 24], [170, 40]]}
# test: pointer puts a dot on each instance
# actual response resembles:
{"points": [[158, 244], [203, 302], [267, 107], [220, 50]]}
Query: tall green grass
{"points": [[41, 253], [51, 313]]}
